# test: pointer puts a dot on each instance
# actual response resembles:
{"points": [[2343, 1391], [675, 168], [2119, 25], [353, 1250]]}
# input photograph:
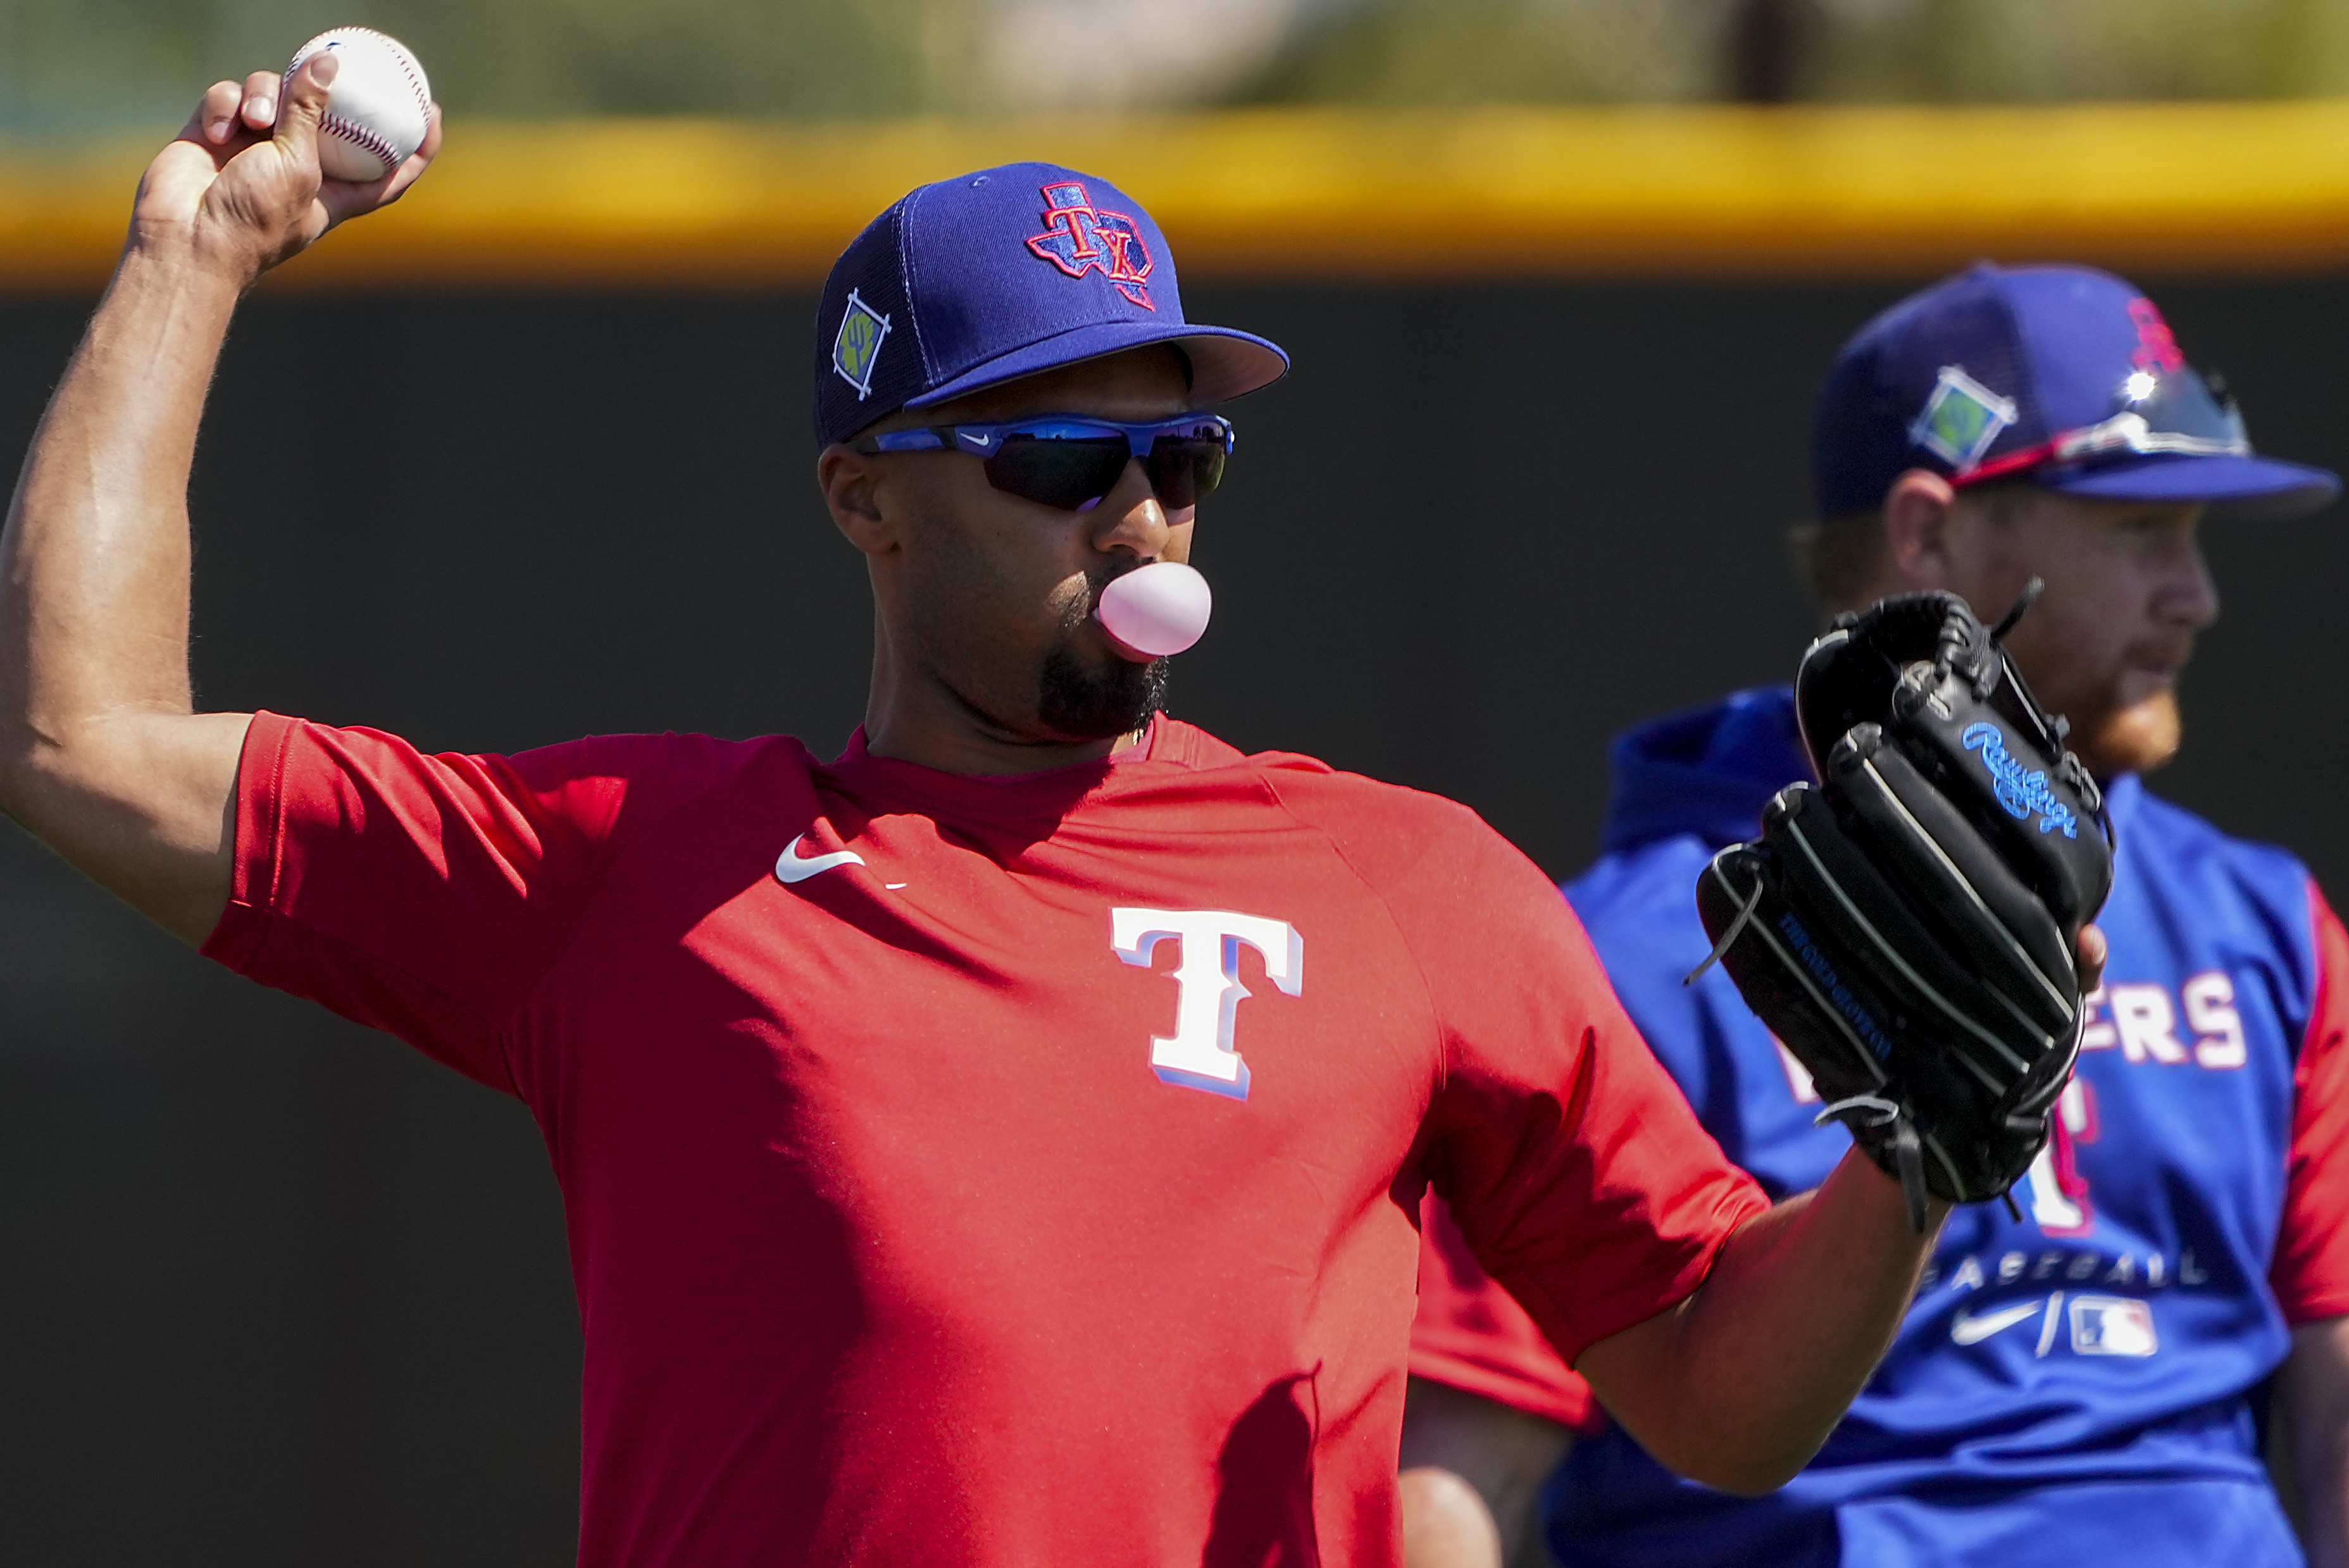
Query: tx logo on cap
{"points": [[1079, 238]]}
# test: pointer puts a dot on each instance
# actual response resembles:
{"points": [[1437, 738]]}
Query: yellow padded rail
{"points": [[1321, 195]]}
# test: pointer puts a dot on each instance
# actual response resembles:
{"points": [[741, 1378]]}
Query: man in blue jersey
{"points": [[2085, 1385]]}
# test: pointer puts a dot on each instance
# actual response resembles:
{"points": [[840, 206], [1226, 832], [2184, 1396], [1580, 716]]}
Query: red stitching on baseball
{"points": [[357, 134], [360, 136]]}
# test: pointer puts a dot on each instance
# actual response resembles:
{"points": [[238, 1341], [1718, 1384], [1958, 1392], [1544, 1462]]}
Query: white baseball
{"points": [[376, 108]]}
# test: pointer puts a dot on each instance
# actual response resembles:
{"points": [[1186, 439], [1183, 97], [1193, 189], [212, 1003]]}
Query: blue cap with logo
{"points": [[2065, 377], [1001, 273]]}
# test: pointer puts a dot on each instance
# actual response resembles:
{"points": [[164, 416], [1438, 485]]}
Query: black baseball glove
{"points": [[1906, 925]]}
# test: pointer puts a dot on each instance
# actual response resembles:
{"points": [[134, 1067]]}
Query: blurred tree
{"points": [[1950, 50], [2051, 49], [73, 64], [699, 57], [70, 62], [1462, 51], [1768, 42]]}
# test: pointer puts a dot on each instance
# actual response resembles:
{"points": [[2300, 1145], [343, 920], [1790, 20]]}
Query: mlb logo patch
{"points": [[1962, 418], [2112, 1325], [858, 345]]}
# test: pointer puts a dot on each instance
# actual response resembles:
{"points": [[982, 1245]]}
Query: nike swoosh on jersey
{"points": [[1974, 1330], [791, 866]]}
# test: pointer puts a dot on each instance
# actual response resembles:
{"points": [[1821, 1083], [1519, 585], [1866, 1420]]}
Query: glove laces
{"points": [[1907, 1154], [1736, 929]]}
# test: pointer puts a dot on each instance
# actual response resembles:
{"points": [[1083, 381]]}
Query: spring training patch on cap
{"points": [[1962, 418], [861, 328]]}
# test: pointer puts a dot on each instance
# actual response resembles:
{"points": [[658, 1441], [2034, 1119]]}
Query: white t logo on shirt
{"points": [[1207, 989]]}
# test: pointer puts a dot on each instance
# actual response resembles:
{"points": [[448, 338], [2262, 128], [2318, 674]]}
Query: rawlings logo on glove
{"points": [[2021, 792]]}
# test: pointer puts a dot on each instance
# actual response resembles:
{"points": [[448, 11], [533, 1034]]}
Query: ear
{"points": [[851, 486], [1919, 510]]}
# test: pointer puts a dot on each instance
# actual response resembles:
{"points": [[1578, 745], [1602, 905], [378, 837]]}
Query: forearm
{"points": [[2313, 1401], [1740, 1385], [2321, 1470], [100, 751], [93, 565], [1499, 1456]]}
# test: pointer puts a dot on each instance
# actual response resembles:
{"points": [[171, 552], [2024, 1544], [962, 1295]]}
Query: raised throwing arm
{"points": [[102, 754]]}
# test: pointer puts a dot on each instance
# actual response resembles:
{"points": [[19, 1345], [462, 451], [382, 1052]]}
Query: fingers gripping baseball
{"points": [[259, 110], [296, 123], [299, 131], [229, 192], [242, 187]]}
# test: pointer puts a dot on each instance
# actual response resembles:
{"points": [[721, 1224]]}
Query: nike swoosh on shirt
{"points": [[1974, 1330], [791, 866]]}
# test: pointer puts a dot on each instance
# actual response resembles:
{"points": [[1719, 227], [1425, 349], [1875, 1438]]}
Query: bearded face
{"points": [[1087, 695], [2136, 737], [986, 596], [2126, 594]]}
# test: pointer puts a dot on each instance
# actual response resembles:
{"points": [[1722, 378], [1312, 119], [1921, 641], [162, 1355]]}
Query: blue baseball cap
{"points": [[1000, 273], [2064, 376]]}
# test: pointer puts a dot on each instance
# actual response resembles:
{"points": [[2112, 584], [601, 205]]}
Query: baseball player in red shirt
{"points": [[1000, 1144]]}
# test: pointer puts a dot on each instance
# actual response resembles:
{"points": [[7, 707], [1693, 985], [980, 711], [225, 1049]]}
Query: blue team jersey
{"points": [[2067, 1388]]}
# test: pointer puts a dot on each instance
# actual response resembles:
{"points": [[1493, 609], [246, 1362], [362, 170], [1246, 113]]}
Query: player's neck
{"points": [[929, 724]]}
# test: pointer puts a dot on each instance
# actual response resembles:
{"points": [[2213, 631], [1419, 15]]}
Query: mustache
{"points": [[1080, 607], [2171, 652]]}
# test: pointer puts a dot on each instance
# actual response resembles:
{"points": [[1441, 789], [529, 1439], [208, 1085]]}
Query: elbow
{"points": [[1748, 1478], [31, 765], [48, 774], [1739, 1467], [22, 767]]}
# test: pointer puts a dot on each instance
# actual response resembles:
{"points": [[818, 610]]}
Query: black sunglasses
{"points": [[1070, 461]]}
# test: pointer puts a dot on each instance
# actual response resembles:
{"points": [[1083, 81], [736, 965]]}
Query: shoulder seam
{"points": [[2315, 910], [1418, 968], [276, 829]]}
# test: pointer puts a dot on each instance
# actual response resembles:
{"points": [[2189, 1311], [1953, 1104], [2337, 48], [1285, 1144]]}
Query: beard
{"points": [[2138, 739], [1091, 702]]}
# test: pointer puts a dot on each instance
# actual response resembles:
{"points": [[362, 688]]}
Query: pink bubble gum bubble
{"points": [[1155, 612]]}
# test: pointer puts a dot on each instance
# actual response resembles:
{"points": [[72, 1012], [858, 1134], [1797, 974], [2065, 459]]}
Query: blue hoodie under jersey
{"points": [[2075, 1389]]}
